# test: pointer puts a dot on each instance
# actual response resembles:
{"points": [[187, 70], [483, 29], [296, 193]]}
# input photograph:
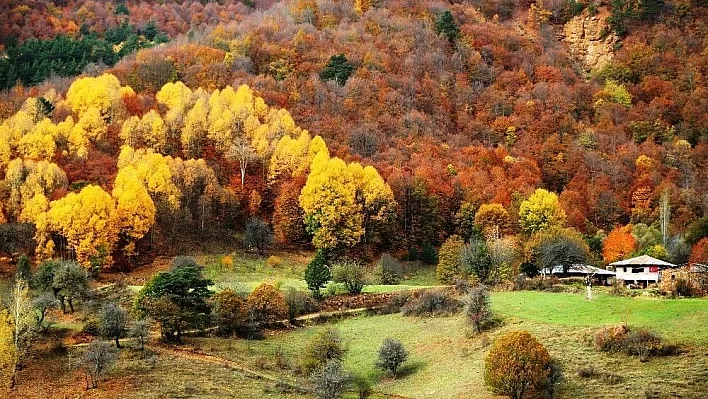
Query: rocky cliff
{"points": [[590, 40]]}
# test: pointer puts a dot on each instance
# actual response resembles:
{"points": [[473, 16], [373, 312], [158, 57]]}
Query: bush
{"points": [[431, 303], [641, 342], [462, 286], [362, 386], [516, 365], [350, 273], [391, 355], [266, 304], [299, 303], [274, 261], [317, 273], [520, 282], [325, 346], [396, 302], [477, 308], [388, 270], [330, 381], [229, 311], [180, 262], [555, 377], [227, 262]]}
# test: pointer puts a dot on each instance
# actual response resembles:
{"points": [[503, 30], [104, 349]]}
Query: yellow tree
{"points": [[341, 201], [177, 97], [198, 184], [102, 93], [135, 210], [26, 178], [332, 213], [87, 221], [33, 208], [8, 352], [154, 171], [541, 211], [195, 127], [39, 143], [493, 219], [150, 131]]}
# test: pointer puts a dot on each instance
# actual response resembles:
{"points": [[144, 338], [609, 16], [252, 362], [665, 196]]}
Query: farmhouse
{"points": [[642, 270], [600, 276]]}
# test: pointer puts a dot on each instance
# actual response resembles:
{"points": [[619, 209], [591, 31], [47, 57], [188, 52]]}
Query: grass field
{"points": [[249, 271], [446, 363]]}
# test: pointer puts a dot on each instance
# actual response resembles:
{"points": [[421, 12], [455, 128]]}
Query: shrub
{"points": [[516, 365], [641, 342], [462, 286], [274, 261], [610, 339], [227, 262], [266, 304], [555, 377], [520, 282], [229, 311], [391, 355], [431, 303], [476, 259], [362, 386], [449, 266], [181, 262], [330, 381], [477, 308], [388, 270], [325, 346], [396, 302], [298, 303], [350, 273], [317, 273]]}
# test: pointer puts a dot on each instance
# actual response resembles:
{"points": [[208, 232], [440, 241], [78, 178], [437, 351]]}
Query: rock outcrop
{"points": [[590, 40]]}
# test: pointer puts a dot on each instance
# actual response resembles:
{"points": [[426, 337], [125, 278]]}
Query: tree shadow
{"points": [[410, 368]]}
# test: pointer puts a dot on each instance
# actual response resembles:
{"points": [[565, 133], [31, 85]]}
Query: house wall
{"points": [[626, 273]]}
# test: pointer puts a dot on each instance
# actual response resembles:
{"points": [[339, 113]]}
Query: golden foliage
{"points": [[87, 221], [8, 351]]}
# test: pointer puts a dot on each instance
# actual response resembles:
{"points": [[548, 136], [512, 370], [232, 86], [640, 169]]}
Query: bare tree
{"points": [[98, 359], [19, 306], [141, 331], [242, 151], [664, 216]]}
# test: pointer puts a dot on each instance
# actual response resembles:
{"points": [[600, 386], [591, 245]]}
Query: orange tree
{"points": [[517, 365]]}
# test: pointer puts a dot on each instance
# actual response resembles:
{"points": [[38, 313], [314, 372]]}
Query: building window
{"points": [[637, 270]]}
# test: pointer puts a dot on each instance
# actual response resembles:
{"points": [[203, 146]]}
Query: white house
{"points": [[642, 270], [601, 276]]}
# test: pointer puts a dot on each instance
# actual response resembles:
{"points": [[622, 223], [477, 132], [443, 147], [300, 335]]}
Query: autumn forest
{"points": [[385, 142]]}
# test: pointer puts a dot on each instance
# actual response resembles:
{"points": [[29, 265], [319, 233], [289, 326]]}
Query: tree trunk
{"points": [[71, 304], [117, 343]]}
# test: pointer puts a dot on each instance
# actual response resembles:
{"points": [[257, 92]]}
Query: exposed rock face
{"points": [[589, 40]]}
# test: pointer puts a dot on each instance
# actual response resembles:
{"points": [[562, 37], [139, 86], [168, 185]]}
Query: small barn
{"points": [[600, 276], [642, 270]]}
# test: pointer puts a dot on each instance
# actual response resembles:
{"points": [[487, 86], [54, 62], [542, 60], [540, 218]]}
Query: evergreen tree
{"points": [[337, 69], [317, 273], [445, 24]]}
